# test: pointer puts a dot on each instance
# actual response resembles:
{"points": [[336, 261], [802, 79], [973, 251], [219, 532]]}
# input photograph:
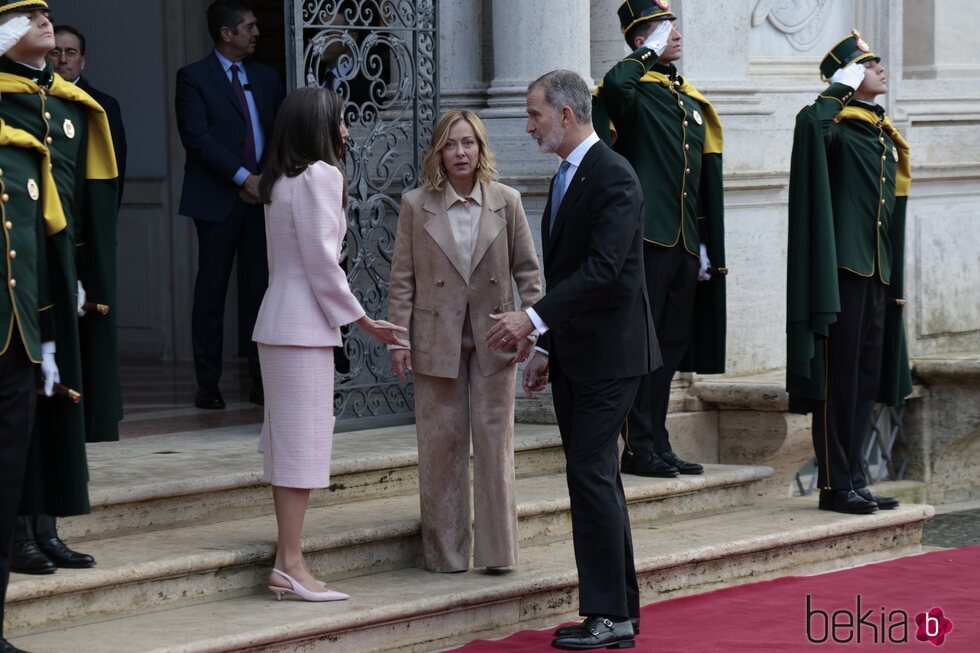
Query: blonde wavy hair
{"points": [[486, 163]]}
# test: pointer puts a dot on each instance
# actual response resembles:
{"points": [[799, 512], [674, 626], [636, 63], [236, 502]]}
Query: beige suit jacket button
{"points": [[440, 283]]}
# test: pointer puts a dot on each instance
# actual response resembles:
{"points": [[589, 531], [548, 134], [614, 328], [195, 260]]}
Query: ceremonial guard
{"points": [[672, 136], [849, 183], [30, 217], [75, 130]]}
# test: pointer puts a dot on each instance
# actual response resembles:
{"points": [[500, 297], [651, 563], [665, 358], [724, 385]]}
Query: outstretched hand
{"points": [[383, 331]]}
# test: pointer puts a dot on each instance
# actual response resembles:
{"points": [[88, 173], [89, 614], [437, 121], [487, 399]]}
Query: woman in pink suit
{"points": [[298, 325]]}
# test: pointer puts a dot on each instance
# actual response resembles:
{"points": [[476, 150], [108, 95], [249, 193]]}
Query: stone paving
{"points": [[953, 529]]}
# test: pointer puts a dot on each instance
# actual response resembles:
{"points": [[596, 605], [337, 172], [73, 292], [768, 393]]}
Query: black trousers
{"points": [[18, 398], [853, 351], [672, 277], [241, 235], [590, 416]]}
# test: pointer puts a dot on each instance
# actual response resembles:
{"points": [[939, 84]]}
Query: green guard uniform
{"points": [[76, 131], [672, 136], [849, 183]]}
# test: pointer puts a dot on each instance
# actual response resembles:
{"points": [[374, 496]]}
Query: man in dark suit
{"points": [[68, 60], [597, 340], [226, 107]]}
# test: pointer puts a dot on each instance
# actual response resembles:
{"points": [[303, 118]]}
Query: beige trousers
{"points": [[446, 410]]}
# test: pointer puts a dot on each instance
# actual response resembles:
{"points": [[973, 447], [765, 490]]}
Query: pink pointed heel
{"points": [[295, 587]]}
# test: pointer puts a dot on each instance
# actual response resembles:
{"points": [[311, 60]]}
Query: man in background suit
{"points": [[68, 60], [225, 108], [597, 341]]}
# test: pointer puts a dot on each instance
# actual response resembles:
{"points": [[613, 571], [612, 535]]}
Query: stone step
{"points": [[194, 563], [412, 610], [158, 482]]}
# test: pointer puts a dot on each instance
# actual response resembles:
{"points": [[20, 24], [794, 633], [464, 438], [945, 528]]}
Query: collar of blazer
{"points": [[574, 192], [438, 227]]}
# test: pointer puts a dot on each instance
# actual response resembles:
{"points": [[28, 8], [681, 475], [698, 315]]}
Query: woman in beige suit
{"points": [[462, 243], [299, 322]]}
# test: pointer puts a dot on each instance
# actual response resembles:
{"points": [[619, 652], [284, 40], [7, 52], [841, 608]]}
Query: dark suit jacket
{"points": [[211, 123], [596, 305], [116, 127]]}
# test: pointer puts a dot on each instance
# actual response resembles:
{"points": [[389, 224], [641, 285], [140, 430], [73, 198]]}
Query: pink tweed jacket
{"points": [[308, 297]]}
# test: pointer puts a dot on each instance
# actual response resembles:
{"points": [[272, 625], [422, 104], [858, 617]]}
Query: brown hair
{"points": [[486, 164], [307, 130]]}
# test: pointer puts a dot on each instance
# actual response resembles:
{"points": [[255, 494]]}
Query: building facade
{"points": [[755, 59]]}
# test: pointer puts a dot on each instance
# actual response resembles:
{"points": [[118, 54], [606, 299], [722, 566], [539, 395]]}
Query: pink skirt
{"points": [[297, 433]]}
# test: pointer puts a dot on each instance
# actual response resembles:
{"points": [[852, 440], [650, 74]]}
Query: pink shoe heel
{"points": [[295, 587]]}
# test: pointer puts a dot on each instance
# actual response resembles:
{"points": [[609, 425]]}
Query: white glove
{"points": [[49, 368], [850, 75], [705, 264], [81, 299], [657, 41], [12, 31]]}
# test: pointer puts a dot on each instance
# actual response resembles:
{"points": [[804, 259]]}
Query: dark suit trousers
{"points": [[18, 398], [242, 234], [590, 416], [671, 277], [853, 352]]}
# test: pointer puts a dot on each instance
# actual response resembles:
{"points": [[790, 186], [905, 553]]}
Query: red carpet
{"points": [[772, 615]]}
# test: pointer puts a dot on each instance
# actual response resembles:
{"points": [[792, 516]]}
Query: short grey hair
{"points": [[566, 88]]}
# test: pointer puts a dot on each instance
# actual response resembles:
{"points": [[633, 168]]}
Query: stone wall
{"points": [[757, 61]]}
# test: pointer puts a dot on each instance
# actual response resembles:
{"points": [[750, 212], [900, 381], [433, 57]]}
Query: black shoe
{"points": [[498, 571], [846, 501], [7, 647], [682, 466], [257, 395], [208, 396], [565, 631], [884, 503], [648, 464], [26, 558], [598, 632], [59, 553]]}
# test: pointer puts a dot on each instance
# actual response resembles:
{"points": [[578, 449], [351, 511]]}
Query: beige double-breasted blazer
{"points": [[430, 292]]}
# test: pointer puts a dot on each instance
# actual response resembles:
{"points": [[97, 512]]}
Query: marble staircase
{"points": [[183, 530]]}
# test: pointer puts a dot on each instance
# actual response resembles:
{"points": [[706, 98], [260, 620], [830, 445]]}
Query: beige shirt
{"points": [[464, 218]]}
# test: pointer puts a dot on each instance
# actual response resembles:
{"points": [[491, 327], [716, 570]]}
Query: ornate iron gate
{"points": [[381, 55]]}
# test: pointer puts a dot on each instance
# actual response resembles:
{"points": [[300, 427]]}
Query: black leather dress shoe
{"points": [[648, 464], [682, 466], [7, 647], [26, 558], [257, 395], [565, 631], [59, 553], [598, 632], [846, 501], [884, 503], [208, 396]]}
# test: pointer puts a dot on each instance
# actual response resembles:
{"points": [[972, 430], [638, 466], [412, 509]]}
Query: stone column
{"points": [[461, 33], [716, 40], [532, 38], [608, 46], [880, 24]]}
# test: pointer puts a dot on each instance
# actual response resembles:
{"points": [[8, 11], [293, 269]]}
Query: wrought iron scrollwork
{"points": [[381, 56]]}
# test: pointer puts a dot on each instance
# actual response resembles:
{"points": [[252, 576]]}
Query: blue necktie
{"points": [[557, 193]]}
